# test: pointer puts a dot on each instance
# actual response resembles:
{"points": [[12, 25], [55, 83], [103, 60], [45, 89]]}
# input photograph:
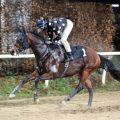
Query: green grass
{"points": [[109, 86], [7, 84], [56, 87]]}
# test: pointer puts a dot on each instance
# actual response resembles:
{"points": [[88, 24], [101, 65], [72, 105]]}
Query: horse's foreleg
{"points": [[18, 87], [36, 89], [46, 76], [22, 82]]}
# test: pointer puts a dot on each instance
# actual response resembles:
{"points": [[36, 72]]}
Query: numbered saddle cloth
{"points": [[78, 51]]}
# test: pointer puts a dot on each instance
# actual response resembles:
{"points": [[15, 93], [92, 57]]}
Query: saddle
{"points": [[58, 52], [77, 50]]}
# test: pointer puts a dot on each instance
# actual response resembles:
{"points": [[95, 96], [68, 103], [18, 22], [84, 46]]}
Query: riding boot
{"points": [[69, 56]]}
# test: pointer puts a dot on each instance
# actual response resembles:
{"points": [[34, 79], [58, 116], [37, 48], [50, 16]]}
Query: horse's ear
{"points": [[19, 29], [23, 30]]}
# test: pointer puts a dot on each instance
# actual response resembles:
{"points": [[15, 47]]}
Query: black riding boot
{"points": [[69, 56]]}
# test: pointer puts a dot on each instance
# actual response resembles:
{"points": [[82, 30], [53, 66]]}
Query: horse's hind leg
{"points": [[80, 87], [22, 82], [84, 82], [77, 90], [88, 85]]}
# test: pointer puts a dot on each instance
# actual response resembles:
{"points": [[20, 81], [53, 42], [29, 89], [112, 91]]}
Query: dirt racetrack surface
{"points": [[106, 106]]}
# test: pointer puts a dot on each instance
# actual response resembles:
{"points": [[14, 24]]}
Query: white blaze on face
{"points": [[54, 69]]}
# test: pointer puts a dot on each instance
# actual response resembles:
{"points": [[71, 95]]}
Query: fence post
{"points": [[46, 83], [103, 77], [104, 73]]}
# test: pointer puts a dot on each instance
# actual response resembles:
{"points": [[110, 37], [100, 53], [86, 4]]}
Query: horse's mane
{"points": [[39, 35]]}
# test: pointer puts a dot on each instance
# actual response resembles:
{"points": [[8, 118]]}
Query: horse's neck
{"points": [[38, 47]]}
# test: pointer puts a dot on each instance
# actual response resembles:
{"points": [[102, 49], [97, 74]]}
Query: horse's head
{"points": [[21, 42]]}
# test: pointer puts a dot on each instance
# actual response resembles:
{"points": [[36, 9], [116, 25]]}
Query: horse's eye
{"points": [[17, 44]]}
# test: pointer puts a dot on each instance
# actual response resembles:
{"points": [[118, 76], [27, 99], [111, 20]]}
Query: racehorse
{"points": [[51, 64]]}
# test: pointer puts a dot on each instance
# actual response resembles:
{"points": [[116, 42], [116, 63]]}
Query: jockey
{"points": [[58, 29]]}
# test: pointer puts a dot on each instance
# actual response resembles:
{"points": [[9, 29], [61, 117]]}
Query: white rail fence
{"points": [[46, 82]]}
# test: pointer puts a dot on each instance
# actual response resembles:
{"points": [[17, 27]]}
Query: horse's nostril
{"points": [[12, 52]]}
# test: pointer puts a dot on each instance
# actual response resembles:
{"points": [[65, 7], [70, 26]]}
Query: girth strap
{"points": [[66, 65]]}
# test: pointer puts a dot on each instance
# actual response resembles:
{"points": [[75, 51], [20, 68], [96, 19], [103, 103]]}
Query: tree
{"points": [[93, 22]]}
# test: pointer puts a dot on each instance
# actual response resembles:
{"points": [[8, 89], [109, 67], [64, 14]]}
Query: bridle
{"points": [[23, 42]]}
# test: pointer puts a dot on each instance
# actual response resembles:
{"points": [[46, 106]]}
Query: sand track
{"points": [[106, 106]]}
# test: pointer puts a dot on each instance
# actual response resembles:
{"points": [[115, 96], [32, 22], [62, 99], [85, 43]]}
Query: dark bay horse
{"points": [[48, 67]]}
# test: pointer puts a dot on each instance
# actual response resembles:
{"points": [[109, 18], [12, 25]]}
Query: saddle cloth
{"points": [[78, 51]]}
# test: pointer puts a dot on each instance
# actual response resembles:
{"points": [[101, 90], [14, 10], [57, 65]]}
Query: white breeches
{"points": [[65, 35]]}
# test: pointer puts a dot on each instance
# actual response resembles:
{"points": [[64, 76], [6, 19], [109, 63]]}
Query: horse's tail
{"points": [[108, 65]]}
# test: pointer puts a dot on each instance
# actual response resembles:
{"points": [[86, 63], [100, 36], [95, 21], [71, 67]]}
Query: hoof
{"points": [[89, 106], [12, 96], [37, 100], [64, 102], [67, 99]]}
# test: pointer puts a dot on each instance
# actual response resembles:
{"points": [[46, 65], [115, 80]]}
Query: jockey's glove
{"points": [[57, 38], [48, 41]]}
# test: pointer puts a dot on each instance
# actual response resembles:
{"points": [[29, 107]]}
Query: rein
{"points": [[44, 55], [23, 41]]}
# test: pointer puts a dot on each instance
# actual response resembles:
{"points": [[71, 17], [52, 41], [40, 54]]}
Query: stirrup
{"points": [[69, 59]]}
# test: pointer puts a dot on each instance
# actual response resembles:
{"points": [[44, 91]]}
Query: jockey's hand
{"points": [[48, 41], [57, 38]]}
